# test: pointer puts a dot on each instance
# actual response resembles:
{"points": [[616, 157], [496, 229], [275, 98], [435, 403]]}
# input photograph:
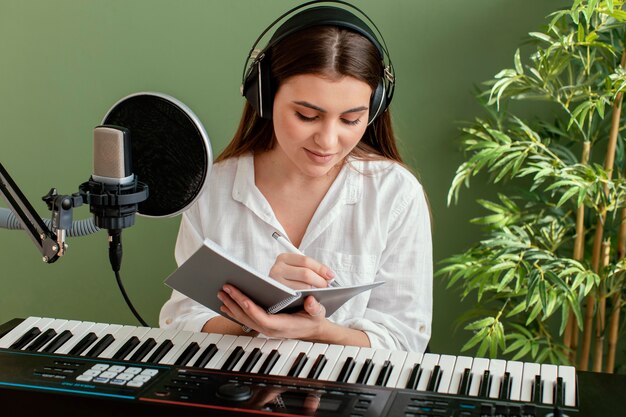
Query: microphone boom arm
{"points": [[51, 243]]}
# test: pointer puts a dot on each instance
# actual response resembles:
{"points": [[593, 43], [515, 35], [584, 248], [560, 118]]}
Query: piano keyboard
{"points": [[443, 374]]}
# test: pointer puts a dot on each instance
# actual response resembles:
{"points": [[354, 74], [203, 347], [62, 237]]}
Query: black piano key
{"points": [[269, 363], [126, 348], [58, 341], [366, 371], [189, 352], [483, 388], [435, 377], [466, 381], [318, 366], [161, 351], [26, 338], [505, 388], [206, 356], [298, 364], [346, 370], [414, 377], [143, 350], [83, 344], [559, 392], [536, 391], [233, 358], [99, 347], [251, 360], [384, 374], [41, 340]]}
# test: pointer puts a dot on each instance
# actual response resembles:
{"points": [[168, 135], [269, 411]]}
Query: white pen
{"points": [[292, 249]]}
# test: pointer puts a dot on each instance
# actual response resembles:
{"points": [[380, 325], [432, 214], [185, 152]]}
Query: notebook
{"points": [[210, 267]]}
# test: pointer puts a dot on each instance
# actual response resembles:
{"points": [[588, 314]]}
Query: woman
{"points": [[322, 168]]}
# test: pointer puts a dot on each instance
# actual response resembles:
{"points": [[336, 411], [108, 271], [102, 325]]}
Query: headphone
{"points": [[257, 85]]}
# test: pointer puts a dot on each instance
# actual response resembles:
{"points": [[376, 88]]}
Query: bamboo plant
{"points": [[548, 274]]}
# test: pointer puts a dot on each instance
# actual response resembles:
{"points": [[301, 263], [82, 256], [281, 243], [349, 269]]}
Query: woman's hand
{"points": [[306, 324], [300, 272]]}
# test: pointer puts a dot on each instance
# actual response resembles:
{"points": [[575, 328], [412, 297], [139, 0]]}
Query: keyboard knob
{"points": [[234, 392]]}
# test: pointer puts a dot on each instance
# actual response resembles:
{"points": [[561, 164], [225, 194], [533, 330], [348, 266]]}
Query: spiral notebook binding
{"points": [[282, 304]]}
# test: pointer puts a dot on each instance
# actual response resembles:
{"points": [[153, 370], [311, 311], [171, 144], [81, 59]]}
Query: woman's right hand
{"points": [[300, 272]]}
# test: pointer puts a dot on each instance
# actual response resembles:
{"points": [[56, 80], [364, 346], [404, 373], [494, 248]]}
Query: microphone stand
{"points": [[51, 243]]}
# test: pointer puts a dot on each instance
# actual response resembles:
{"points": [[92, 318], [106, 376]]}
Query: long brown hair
{"points": [[328, 51]]}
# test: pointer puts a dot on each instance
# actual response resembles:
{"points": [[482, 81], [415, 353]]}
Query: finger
{"points": [[314, 308], [303, 261], [244, 306], [297, 277]]}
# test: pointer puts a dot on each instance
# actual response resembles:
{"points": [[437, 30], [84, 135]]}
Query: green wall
{"points": [[64, 63]]}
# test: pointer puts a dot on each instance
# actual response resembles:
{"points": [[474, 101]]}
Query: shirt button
{"points": [[168, 321], [422, 328]]}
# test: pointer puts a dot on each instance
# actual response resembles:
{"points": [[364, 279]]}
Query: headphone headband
{"points": [[256, 79]]}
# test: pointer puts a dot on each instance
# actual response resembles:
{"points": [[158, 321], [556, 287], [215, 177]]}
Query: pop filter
{"points": [[171, 151]]}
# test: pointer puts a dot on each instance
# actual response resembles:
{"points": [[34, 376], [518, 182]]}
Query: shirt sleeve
{"points": [[399, 313], [181, 312]]}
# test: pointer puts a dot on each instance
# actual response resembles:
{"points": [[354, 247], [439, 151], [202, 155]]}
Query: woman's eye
{"points": [[352, 122], [305, 118]]}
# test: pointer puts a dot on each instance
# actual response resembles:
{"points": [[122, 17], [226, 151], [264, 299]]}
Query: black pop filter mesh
{"points": [[171, 152]]}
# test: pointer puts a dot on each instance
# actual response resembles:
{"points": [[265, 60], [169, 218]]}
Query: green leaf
{"points": [[542, 36], [478, 337], [581, 32], [479, 324], [518, 63]]}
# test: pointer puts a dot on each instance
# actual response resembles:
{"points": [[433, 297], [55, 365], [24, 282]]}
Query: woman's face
{"points": [[318, 121]]}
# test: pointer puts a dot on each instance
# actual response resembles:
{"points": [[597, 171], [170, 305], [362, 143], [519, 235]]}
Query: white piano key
{"points": [[14, 335], [462, 363], [397, 359], [180, 342], [300, 347], [515, 370], [121, 336], [497, 368], [548, 382], [429, 361], [153, 333], [78, 333], [256, 342], [479, 366], [412, 358], [169, 334], [222, 348], [55, 325], [268, 347], [568, 373], [364, 354], [378, 359], [70, 325], [333, 352], [347, 352], [316, 350], [240, 341], [446, 363], [284, 350], [203, 340], [528, 379]]}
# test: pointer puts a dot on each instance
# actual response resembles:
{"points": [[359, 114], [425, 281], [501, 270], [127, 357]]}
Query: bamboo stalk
{"points": [[597, 242], [613, 332], [570, 337], [601, 313]]}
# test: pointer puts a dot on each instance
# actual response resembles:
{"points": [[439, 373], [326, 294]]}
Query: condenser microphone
{"points": [[113, 191]]}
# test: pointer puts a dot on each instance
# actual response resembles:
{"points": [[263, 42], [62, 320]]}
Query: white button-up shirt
{"points": [[373, 224]]}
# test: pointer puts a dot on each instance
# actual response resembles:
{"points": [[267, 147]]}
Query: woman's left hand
{"points": [[306, 324]]}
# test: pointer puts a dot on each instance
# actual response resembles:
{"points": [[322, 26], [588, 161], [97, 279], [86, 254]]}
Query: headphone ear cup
{"points": [[258, 88], [378, 103]]}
